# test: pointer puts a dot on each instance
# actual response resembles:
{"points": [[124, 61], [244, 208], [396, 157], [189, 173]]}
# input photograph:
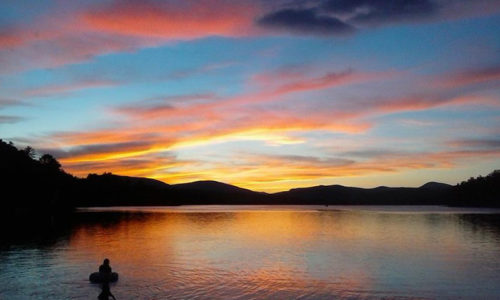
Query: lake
{"points": [[260, 252]]}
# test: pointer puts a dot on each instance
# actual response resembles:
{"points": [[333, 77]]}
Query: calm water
{"points": [[261, 253]]}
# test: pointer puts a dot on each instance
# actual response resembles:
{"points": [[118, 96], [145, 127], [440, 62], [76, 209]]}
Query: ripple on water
{"points": [[282, 254]]}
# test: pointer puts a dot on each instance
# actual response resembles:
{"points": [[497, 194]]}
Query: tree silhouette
{"points": [[30, 152], [50, 162], [480, 191]]}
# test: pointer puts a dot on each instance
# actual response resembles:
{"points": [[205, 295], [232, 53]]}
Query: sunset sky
{"points": [[266, 95]]}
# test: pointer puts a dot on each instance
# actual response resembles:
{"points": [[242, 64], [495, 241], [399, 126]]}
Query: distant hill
{"points": [[38, 184], [210, 186], [213, 192], [111, 190], [436, 186], [429, 193]]}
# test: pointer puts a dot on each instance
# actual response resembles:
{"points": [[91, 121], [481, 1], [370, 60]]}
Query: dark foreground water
{"points": [[261, 253]]}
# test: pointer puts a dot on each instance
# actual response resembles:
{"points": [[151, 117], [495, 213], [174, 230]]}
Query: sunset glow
{"points": [[265, 95]]}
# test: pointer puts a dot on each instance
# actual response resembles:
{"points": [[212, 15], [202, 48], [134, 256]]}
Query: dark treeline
{"points": [[479, 191], [34, 184], [31, 184]]}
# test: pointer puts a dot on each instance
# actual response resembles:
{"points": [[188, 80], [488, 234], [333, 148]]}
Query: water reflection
{"points": [[264, 254], [105, 292]]}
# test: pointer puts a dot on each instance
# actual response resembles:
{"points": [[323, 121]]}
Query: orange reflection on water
{"points": [[267, 253]]}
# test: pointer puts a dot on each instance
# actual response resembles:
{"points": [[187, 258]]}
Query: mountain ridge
{"points": [[40, 184]]}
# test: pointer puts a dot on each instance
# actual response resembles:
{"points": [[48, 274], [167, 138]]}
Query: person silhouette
{"points": [[105, 292], [105, 268], [104, 275]]}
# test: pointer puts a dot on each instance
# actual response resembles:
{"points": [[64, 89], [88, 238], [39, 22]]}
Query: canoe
{"points": [[103, 277]]}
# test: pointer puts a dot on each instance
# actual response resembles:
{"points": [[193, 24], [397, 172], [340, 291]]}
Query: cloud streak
{"points": [[177, 20], [55, 89], [280, 172], [7, 102], [471, 77], [82, 33], [176, 122], [10, 119], [315, 112], [380, 11], [305, 21], [340, 17]]}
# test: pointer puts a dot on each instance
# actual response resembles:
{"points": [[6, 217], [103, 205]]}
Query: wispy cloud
{"points": [[202, 70], [476, 143], [305, 21], [84, 32], [55, 89], [174, 20], [470, 77], [280, 172], [10, 119], [176, 122], [314, 112], [6, 102], [340, 17]]}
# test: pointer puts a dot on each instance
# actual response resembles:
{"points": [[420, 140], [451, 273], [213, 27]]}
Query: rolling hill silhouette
{"points": [[39, 184], [429, 193]]}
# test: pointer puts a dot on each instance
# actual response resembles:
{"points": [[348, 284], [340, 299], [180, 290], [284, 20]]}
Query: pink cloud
{"points": [[470, 77], [173, 20], [172, 129], [164, 125], [276, 91], [118, 26], [68, 48], [76, 33], [12, 37]]}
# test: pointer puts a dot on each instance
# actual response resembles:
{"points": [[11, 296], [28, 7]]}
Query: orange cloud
{"points": [[260, 172], [280, 172], [146, 166], [273, 173], [118, 26], [165, 126], [173, 20], [115, 144]]}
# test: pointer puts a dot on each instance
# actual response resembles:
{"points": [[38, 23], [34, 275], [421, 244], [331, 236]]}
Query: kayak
{"points": [[103, 277]]}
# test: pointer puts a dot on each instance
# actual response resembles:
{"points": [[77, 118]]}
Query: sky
{"points": [[265, 95]]}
